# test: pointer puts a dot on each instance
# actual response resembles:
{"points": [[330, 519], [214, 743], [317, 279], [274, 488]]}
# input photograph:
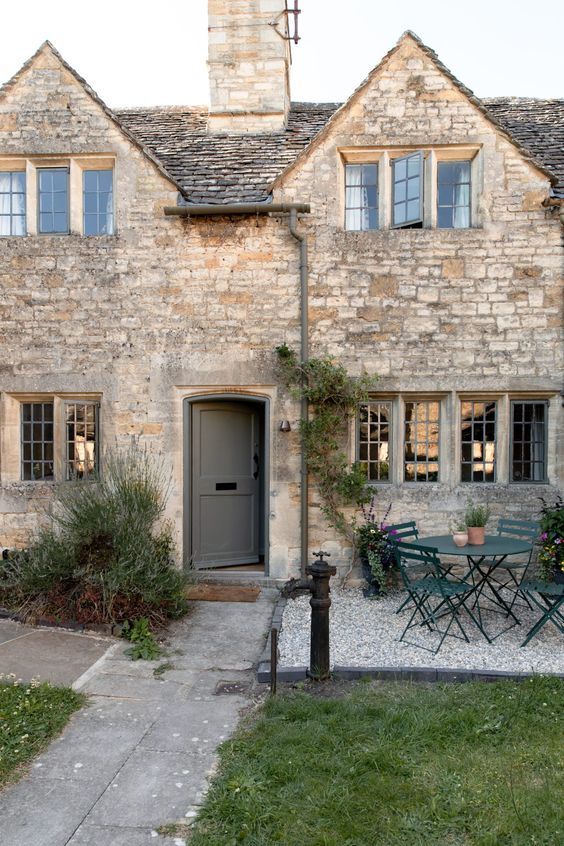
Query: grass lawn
{"points": [[396, 765], [30, 716]]}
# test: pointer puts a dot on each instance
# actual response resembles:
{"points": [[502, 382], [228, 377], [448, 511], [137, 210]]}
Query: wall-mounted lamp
{"points": [[285, 426]]}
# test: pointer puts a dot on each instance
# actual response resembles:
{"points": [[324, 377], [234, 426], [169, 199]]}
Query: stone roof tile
{"points": [[241, 167]]}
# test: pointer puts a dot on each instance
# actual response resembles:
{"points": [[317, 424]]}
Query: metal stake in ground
{"points": [[321, 572]]}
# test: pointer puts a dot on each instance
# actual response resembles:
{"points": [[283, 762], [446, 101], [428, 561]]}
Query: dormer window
{"points": [[394, 188], [57, 195]]}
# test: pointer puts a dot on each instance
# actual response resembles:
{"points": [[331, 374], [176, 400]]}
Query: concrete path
{"points": [[139, 755]]}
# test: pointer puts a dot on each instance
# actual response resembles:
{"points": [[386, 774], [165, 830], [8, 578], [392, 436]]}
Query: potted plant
{"points": [[476, 518], [551, 554], [459, 533], [375, 548]]}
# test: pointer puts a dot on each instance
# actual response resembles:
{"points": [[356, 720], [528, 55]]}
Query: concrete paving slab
{"points": [[152, 788], [51, 655], [130, 687], [10, 630], [194, 725], [91, 751], [97, 835], [114, 710], [46, 812]]}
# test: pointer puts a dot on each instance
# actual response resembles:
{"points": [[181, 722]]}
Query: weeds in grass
{"points": [[30, 716], [106, 557]]}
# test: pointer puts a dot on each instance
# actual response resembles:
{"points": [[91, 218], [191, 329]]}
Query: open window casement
{"points": [[407, 190]]}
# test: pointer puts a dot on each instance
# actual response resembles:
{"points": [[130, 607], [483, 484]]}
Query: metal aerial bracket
{"points": [[295, 12]]}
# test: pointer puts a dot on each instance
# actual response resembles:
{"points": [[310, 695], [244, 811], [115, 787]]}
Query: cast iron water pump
{"points": [[320, 572]]}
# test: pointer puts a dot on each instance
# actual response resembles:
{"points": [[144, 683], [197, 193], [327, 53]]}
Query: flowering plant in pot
{"points": [[551, 554], [375, 548], [476, 518]]}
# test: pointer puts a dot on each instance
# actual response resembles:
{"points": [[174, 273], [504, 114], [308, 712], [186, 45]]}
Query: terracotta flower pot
{"points": [[476, 535], [460, 538]]}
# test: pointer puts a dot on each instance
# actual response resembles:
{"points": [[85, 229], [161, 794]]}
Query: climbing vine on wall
{"points": [[334, 398]]}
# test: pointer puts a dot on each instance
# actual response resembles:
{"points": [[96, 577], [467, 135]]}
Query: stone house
{"points": [[151, 260]]}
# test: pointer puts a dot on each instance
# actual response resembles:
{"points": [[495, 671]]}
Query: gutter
{"points": [[223, 210], [292, 209]]}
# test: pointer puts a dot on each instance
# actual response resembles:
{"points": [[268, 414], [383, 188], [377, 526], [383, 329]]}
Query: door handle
{"points": [[256, 460]]}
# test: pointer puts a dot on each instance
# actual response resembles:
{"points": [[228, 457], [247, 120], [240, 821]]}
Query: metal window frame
{"points": [[390, 442], [544, 479], [470, 187], [483, 442], [426, 480], [407, 223], [96, 405], [11, 215], [32, 441], [84, 192], [51, 169], [362, 208]]}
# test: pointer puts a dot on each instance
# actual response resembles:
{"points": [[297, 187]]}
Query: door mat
{"points": [[223, 593]]}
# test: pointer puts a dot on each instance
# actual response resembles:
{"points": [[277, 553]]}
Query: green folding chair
{"points": [[398, 533], [434, 596], [514, 569], [548, 597]]}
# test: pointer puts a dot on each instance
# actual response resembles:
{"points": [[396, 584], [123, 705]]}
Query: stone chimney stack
{"points": [[249, 65]]}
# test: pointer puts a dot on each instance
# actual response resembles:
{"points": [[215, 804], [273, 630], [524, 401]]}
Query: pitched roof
{"points": [[223, 168], [241, 167], [48, 47], [538, 125]]}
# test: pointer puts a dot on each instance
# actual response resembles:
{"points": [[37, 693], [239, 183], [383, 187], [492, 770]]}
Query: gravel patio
{"points": [[365, 633]]}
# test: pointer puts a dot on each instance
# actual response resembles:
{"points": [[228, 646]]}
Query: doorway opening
{"points": [[226, 483]]}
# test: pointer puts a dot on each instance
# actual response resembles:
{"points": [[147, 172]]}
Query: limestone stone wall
{"points": [[249, 64], [167, 308]]}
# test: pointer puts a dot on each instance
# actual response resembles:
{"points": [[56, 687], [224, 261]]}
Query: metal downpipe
{"points": [[304, 350]]}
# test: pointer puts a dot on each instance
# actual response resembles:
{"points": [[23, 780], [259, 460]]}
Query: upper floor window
{"points": [[53, 195], [528, 441], [12, 202], [453, 195], [397, 189], [57, 195], [361, 196], [98, 202]]}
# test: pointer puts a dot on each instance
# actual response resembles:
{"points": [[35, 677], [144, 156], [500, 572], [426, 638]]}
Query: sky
{"points": [[153, 52]]}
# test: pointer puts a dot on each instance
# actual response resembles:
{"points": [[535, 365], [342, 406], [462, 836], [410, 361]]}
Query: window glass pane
{"points": [[369, 174], [445, 218], [59, 222], [45, 223], [413, 188], [400, 169], [90, 224], [413, 165], [59, 202], [12, 203], [353, 175], [5, 204], [91, 203], [400, 213], [59, 180], [5, 226], [413, 209], [352, 219], [5, 182], [90, 180]]}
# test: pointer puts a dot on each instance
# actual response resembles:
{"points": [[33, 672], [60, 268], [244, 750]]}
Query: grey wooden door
{"points": [[225, 484]]}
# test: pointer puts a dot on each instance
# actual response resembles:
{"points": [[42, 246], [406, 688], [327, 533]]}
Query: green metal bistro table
{"points": [[482, 561]]}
